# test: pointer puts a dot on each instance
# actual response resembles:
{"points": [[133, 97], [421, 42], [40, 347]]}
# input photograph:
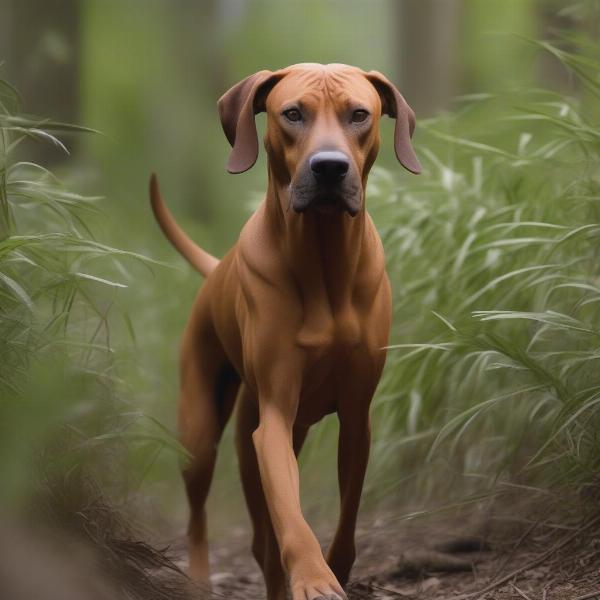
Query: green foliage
{"points": [[493, 376], [59, 372]]}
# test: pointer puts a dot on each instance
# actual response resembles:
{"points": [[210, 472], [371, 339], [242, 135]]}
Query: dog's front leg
{"points": [[301, 556]]}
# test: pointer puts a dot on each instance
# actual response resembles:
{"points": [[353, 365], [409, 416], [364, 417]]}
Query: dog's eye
{"points": [[360, 115], [293, 115]]}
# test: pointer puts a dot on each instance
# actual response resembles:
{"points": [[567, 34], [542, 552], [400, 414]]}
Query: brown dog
{"points": [[293, 320]]}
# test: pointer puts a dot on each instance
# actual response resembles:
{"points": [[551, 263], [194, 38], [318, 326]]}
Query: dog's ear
{"points": [[237, 108], [394, 105]]}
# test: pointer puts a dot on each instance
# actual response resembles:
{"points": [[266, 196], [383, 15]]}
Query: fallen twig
{"points": [[520, 592], [387, 590]]}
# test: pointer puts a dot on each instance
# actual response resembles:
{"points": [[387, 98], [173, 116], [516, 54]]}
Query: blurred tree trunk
{"points": [[427, 52], [203, 62], [202, 45], [40, 43], [5, 22], [551, 72]]}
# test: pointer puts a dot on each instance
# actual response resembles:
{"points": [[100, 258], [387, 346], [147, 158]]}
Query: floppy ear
{"points": [[237, 108], [394, 105]]}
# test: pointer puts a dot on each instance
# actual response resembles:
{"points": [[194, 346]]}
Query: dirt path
{"points": [[554, 561]]}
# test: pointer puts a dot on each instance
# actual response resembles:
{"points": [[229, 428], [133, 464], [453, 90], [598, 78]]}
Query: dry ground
{"points": [[510, 558]]}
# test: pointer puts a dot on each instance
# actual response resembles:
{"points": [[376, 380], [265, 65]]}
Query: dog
{"points": [[292, 323]]}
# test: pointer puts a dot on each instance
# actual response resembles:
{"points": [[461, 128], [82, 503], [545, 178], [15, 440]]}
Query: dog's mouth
{"points": [[325, 202], [327, 209], [328, 203]]}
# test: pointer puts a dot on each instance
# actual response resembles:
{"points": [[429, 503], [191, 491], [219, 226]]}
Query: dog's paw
{"points": [[319, 584], [321, 593]]}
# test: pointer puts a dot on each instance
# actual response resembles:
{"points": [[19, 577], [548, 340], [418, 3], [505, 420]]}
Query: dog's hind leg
{"points": [[264, 544], [208, 390]]}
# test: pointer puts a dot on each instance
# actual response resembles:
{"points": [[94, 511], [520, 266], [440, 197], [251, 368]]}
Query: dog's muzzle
{"points": [[326, 184]]}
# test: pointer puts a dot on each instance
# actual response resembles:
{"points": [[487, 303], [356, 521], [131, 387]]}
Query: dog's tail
{"points": [[201, 260]]}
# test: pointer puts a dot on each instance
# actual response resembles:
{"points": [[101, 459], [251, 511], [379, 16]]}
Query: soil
{"points": [[504, 557]]}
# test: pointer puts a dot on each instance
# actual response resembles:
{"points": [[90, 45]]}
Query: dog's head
{"points": [[322, 131]]}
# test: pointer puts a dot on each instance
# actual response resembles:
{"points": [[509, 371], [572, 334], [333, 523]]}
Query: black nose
{"points": [[329, 166]]}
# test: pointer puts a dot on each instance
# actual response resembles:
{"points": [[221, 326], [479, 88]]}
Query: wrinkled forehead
{"points": [[315, 83]]}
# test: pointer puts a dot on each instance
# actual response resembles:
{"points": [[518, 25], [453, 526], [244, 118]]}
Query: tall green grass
{"points": [[73, 443], [493, 375], [61, 376]]}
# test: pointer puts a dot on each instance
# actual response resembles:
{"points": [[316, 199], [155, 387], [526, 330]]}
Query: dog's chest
{"points": [[332, 348], [323, 332]]}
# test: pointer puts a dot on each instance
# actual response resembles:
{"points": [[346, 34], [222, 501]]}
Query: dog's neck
{"points": [[323, 251]]}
